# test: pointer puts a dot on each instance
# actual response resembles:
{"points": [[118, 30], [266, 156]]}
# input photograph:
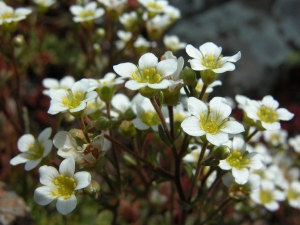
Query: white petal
{"points": [[91, 6], [225, 67], [57, 107], [196, 107], [271, 126], [192, 127], [81, 106], [45, 134], [67, 167], [148, 60], [224, 165], [121, 102], [217, 139], [125, 69], [25, 141], [241, 176], [233, 127], [134, 85], [21, 158], [193, 52], [167, 67], [43, 195], [90, 96], [76, 9], [284, 114], [59, 94], [99, 12], [139, 124], [47, 175], [219, 110], [66, 206], [67, 82], [47, 147], [162, 85], [83, 179], [197, 65], [50, 83], [233, 58], [272, 206], [32, 164], [80, 86], [210, 49], [63, 138]]}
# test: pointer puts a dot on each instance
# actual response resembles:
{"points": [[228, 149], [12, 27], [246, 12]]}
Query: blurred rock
{"points": [[13, 210]]}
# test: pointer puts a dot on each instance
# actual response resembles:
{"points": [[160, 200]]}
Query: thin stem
{"points": [[171, 117], [114, 150], [162, 118], [251, 135], [216, 211], [198, 169], [205, 86], [152, 166], [82, 126]]}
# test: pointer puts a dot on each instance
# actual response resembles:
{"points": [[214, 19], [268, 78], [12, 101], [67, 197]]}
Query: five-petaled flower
{"points": [[209, 61], [61, 186], [266, 113], [33, 150], [86, 14], [149, 73], [211, 120]]}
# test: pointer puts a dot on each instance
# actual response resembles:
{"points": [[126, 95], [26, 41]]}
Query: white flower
{"points": [[73, 100], [157, 25], [157, 198], [33, 150], [295, 143], [61, 186], [193, 156], [86, 13], [240, 190], [155, 6], [172, 12], [124, 38], [263, 151], [86, 154], [117, 5], [44, 3], [267, 195], [211, 120], [209, 58], [275, 137], [121, 103], [108, 80], [94, 105], [128, 20], [173, 43], [267, 113], [293, 194], [150, 72], [240, 160], [146, 114], [179, 113], [142, 43], [9, 15], [64, 83]]}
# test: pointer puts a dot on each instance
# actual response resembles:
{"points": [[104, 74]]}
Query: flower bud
{"points": [[100, 32], [208, 76], [127, 129], [129, 115], [18, 41], [221, 152], [106, 93], [189, 76], [102, 123], [93, 189]]}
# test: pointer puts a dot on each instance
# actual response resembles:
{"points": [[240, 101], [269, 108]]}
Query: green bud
{"points": [[221, 152], [100, 32], [127, 129], [148, 92], [208, 76], [97, 47], [102, 123], [210, 162], [18, 41], [129, 115], [171, 97], [93, 189], [106, 93], [189, 76]]}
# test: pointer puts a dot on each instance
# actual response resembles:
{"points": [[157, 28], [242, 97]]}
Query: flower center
{"points": [[292, 194], [209, 125], [267, 115], [266, 196], [237, 160], [65, 186], [210, 62], [7, 15], [150, 118], [86, 14], [154, 6], [35, 151], [73, 101], [147, 76]]}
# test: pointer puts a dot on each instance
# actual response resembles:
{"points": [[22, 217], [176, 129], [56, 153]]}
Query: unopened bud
{"points": [[189, 76], [100, 32], [221, 152], [19, 41], [93, 189], [102, 123], [127, 129]]}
